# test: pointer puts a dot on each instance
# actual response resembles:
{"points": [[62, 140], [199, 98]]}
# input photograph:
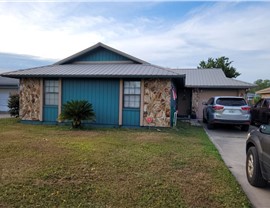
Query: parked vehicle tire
{"points": [[244, 127], [253, 169]]}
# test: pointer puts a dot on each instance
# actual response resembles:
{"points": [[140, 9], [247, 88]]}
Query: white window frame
{"points": [[51, 92], [132, 94]]}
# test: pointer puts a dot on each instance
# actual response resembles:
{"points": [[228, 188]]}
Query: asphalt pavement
{"points": [[230, 142]]}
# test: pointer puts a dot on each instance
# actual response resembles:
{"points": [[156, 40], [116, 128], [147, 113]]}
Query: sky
{"points": [[175, 34]]}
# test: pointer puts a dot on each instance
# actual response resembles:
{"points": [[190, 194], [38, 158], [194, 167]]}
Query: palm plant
{"points": [[14, 105], [77, 110]]}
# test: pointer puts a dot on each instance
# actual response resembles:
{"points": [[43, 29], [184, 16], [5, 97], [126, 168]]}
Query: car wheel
{"points": [[244, 127], [253, 170]]}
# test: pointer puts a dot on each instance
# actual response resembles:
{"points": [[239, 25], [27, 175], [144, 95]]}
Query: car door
{"points": [[256, 110], [265, 144], [263, 112]]}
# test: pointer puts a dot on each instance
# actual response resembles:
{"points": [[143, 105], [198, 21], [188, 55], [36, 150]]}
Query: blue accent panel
{"points": [[131, 117], [102, 93], [101, 54], [50, 113]]}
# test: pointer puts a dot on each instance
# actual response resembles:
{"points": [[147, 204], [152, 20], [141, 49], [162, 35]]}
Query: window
{"points": [[231, 101], [132, 94], [51, 92]]}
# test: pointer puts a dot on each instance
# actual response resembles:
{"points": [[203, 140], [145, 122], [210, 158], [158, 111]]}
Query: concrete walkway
{"points": [[230, 143]]}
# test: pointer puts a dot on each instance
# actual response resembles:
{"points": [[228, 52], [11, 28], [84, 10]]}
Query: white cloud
{"points": [[52, 30]]}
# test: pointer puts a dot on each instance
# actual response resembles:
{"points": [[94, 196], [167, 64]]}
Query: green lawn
{"points": [[50, 166]]}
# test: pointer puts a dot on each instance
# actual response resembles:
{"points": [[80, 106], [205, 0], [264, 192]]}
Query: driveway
{"points": [[230, 143]]}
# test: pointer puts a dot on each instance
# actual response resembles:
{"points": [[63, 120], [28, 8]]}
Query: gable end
{"points": [[100, 54]]}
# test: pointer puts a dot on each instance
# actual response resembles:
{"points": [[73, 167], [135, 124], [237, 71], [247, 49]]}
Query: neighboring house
{"points": [[264, 93], [124, 90], [8, 86]]}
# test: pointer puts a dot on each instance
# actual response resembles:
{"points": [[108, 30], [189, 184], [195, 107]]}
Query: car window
{"points": [[258, 104], [265, 104], [231, 101], [265, 129]]}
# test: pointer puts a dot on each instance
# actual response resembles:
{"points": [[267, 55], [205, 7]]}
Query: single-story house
{"points": [[8, 86], [124, 90], [264, 92]]}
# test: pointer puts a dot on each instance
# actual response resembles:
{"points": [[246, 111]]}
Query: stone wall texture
{"points": [[30, 99], [157, 99]]}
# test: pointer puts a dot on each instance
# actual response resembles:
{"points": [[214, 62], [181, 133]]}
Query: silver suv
{"points": [[227, 110]]}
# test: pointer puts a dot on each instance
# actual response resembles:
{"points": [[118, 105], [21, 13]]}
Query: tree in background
{"points": [[14, 105], [261, 84], [221, 62], [77, 110]]}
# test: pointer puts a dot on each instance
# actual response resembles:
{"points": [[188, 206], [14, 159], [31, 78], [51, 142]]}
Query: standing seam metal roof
{"points": [[210, 78], [95, 70]]}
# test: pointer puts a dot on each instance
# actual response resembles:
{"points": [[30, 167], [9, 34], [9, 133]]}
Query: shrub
{"points": [[77, 110], [14, 105]]}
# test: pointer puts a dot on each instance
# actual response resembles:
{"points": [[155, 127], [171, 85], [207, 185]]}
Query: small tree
{"points": [[221, 62], [261, 84], [14, 105], [77, 110]]}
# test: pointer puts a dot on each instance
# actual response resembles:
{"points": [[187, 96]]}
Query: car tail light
{"points": [[245, 108], [217, 107]]}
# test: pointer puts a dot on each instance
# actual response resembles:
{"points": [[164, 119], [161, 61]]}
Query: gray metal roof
{"points": [[4, 81], [210, 78], [96, 70]]}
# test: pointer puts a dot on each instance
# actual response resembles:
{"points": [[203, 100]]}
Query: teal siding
{"points": [[131, 117], [101, 54], [102, 93], [50, 113]]}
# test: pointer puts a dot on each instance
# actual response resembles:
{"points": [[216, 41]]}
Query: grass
{"points": [[51, 166]]}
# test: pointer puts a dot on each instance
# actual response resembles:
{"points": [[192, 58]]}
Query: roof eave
{"points": [[95, 76], [219, 87]]}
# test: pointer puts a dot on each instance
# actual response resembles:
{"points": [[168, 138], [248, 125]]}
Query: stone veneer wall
{"points": [[30, 99], [157, 100], [195, 101]]}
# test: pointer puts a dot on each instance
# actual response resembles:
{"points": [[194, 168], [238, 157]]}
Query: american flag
{"points": [[174, 93]]}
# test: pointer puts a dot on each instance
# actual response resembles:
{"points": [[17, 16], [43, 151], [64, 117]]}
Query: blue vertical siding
{"points": [[131, 117], [101, 54], [102, 93], [50, 113]]}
